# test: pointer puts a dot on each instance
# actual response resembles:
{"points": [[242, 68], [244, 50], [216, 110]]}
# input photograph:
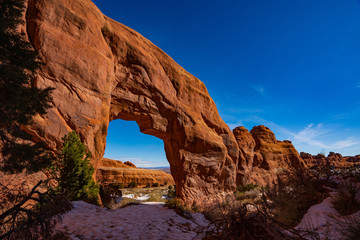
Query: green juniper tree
{"points": [[75, 171], [19, 99], [23, 214]]}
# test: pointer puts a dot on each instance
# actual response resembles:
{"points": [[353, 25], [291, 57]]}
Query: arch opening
{"points": [[134, 166], [125, 142]]}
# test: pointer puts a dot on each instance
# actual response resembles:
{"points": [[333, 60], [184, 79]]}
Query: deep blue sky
{"points": [[293, 66]]}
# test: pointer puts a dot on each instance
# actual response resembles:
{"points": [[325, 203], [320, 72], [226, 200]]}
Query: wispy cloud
{"points": [[351, 141], [273, 126], [234, 125], [312, 135], [309, 135], [259, 89]]}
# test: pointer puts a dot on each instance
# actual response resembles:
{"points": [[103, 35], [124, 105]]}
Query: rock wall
{"points": [[102, 70], [264, 155], [111, 171]]}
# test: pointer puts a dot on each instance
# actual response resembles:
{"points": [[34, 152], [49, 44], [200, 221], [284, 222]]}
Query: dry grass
{"points": [[155, 193], [124, 203], [350, 229], [346, 201], [234, 220], [291, 196]]}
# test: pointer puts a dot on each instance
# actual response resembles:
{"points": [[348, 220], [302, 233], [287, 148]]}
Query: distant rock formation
{"points": [[130, 164], [336, 160], [264, 155], [112, 171]]}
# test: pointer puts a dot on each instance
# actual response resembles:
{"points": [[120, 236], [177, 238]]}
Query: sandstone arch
{"points": [[103, 70]]}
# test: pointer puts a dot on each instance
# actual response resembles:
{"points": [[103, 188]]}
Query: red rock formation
{"points": [[111, 171], [354, 159], [246, 146], [335, 160], [264, 155], [102, 70], [106, 162], [130, 164]]}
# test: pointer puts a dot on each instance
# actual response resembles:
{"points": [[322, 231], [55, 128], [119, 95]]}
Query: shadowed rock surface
{"points": [[102, 70], [111, 171]]}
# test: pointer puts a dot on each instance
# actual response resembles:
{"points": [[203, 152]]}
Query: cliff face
{"points": [[264, 155], [102, 70], [111, 171]]}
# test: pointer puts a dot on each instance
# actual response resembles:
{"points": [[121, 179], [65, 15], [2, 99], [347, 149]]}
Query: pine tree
{"points": [[75, 171], [19, 99]]}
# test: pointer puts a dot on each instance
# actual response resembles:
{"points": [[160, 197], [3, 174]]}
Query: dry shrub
{"points": [[346, 202], [174, 203], [350, 229], [106, 192], [155, 196], [123, 203], [30, 215], [234, 220], [291, 195], [178, 206], [248, 193]]}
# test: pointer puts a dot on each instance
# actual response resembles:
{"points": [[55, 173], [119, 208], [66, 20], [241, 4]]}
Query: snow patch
{"points": [[150, 221]]}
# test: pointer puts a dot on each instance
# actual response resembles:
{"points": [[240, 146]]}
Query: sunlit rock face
{"points": [[246, 145], [102, 70], [265, 156]]}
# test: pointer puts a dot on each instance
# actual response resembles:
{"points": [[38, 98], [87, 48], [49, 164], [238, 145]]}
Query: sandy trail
{"points": [[144, 222]]}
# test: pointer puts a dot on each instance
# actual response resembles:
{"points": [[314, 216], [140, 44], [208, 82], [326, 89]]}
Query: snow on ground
{"points": [[142, 197], [148, 221]]}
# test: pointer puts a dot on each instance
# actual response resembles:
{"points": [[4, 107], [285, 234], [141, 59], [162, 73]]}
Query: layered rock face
{"points": [[246, 145], [102, 70], [265, 156], [111, 171]]}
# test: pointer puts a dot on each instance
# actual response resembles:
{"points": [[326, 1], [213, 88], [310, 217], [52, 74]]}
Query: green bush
{"points": [[75, 171], [148, 185], [246, 187], [171, 191], [20, 99], [155, 185]]}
